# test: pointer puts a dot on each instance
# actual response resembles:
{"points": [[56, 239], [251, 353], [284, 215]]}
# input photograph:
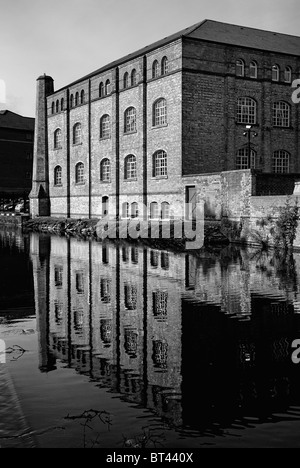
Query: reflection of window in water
{"points": [[134, 255], [80, 282], [58, 276], [58, 307], [165, 260], [131, 342], [78, 320], [154, 258], [160, 304], [130, 297], [105, 255], [106, 331], [160, 354], [125, 254], [105, 290]]}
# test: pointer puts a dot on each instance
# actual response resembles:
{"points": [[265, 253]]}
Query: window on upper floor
{"points": [[53, 108], [253, 70], [160, 112], [165, 210], [160, 304], [130, 167], [246, 111], [133, 77], [126, 80], [57, 106], [155, 69], [288, 75], [58, 176], [130, 120], [154, 210], [101, 89], [281, 114], [105, 127], [107, 88], [164, 66], [241, 160], [77, 134], [160, 164], [82, 97], [76, 99], [281, 162], [275, 73], [105, 290], [79, 173], [62, 104], [240, 68], [165, 261], [105, 170], [57, 138], [130, 294]]}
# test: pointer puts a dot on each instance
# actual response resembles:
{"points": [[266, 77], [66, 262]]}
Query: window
{"points": [[154, 258], [246, 111], [134, 210], [160, 304], [78, 320], [125, 210], [58, 308], [80, 282], [154, 211], [241, 161], [253, 70], [105, 255], [76, 99], [57, 139], [160, 164], [105, 170], [62, 104], [82, 97], [130, 167], [165, 210], [57, 106], [79, 173], [101, 89], [160, 354], [58, 176], [164, 66], [133, 77], [160, 112], [105, 126], [164, 260], [107, 87], [105, 290], [130, 120], [77, 134], [288, 75], [126, 80], [281, 114], [58, 276], [53, 108], [155, 69], [240, 68], [130, 293], [275, 73], [281, 162], [125, 254], [71, 101], [106, 332]]}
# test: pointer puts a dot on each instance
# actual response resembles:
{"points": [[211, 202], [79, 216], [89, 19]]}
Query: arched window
{"points": [[154, 210], [160, 112], [125, 210], [164, 66], [133, 77], [105, 126], [165, 210], [281, 114], [240, 68], [160, 164], [288, 75], [107, 87], [77, 134], [101, 89], [125, 80], [79, 173], [155, 69], [275, 73], [62, 104], [134, 210], [105, 170], [76, 99], [253, 70], [57, 139], [57, 106], [58, 176], [281, 162], [71, 101], [246, 111], [53, 108], [130, 167], [241, 161], [82, 97], [130, 120]]}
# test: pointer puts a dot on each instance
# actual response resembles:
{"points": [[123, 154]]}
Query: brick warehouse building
{"points": [[133, 131], [16, 153]]}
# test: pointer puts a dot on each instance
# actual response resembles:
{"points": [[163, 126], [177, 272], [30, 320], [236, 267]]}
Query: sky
{"points": [[68, 39]]}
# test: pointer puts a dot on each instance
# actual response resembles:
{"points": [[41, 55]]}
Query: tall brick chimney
{"points": [[39, 195]]}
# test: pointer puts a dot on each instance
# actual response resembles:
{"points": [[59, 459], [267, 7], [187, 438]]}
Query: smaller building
{"points": [[16, 156]]}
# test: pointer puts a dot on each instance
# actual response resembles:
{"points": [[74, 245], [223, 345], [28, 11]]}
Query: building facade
{"points": [[122, 140], [16, 155]]}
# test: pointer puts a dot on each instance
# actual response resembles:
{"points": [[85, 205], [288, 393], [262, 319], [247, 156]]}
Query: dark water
{"points": [[110, 346]]}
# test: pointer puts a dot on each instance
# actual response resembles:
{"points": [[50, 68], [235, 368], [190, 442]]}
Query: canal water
{"points": [[114, 346]]}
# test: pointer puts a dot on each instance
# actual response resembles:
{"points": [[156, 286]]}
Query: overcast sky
{"points": [[68, 39]]}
